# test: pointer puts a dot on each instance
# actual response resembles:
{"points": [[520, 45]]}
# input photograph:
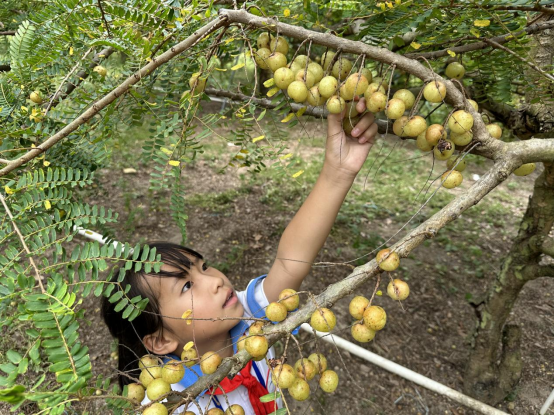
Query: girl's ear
{"points": [[160, 344]]}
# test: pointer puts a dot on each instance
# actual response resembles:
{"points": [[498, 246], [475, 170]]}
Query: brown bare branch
{"points": [[538, 27], [5, 68], [8, 33], [104, 18]]}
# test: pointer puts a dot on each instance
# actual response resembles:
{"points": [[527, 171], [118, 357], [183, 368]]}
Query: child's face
{"points": [[209, 294]]}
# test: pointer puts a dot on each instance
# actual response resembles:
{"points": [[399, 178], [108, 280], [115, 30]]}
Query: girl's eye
{"points": [[186, 286], [205, 266]]}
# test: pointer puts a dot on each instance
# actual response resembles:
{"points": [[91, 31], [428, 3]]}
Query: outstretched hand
{"points": [[348, 153]]}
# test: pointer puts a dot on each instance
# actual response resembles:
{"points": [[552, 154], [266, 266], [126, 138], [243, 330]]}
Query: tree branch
{"points": [[548, 247], [5, 68], [538, 27], [8, 33], [122, 89], [535, 8], [536, 271], [104, 18]]}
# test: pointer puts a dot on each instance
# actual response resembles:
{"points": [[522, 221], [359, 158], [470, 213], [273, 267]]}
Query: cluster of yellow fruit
{"points": [[296, 378]]}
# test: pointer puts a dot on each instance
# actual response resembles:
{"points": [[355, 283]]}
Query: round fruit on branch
{"points": [[398, 289], [387, 260]]}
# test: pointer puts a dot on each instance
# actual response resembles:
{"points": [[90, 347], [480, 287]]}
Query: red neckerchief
{"points": [[254, 387]]}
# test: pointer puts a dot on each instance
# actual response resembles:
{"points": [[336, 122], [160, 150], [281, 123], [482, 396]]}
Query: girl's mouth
{"points": [[231, 299]]}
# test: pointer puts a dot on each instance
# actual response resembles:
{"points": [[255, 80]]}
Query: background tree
{"points": [[54, 143]]}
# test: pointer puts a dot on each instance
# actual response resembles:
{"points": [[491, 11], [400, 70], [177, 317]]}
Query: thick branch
{"points": [[538, 27], [5, 68], [548, 247], [8, 33], [122, 89], [536, 271]]}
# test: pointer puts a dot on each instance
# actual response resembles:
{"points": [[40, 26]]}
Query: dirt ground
{"points": [[428, 334]]}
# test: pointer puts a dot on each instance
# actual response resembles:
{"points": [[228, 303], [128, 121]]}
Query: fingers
{"points": [[334, 124], [361, 105], [366, 121], [368, 136]]}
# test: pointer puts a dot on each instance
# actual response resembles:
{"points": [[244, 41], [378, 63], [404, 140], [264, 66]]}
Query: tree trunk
{"points": [[494, 366]]}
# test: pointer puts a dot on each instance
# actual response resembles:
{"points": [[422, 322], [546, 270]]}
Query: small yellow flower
{"points": [[286, 12]]}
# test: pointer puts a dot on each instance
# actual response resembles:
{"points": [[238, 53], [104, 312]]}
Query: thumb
{"points": [[334, 124]]}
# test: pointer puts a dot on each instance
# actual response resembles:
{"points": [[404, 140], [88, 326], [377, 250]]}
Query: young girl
{"points": [[186, 282]]}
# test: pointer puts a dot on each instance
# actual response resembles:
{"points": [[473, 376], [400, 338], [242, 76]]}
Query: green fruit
{"points": [[276, 60], [235, 409], [283, 376], [525, 169], [375, 318], [305, 369], [348, 124], [434, 133], [367, 74], [276, 312], [474, 105], [323, 320], [328, 86], [298, 91], [398, 289], [150, 374], [376, 102], [135, 391], [283, 78], [148, 361], [357, 306], [157, 388], [326, 59], [305, 76], [434, 92], [374, 87], [406, 96], [36, 97], [329, 381], [460, 121], [319, 361], [209, 362], [264, 40], [317, 70], [300, 390], [494, 130], [415, 126], [198, 83], [398, 126], [100, 70], [290, 299], [257, 345], [452, 179], [279, 44], [453, 160], [444, 149], [342, 68], [387, 260], [455, 70], [362, 333], [295, 67], [189, 356], [461, 139], [173, 372], [155, 409], [421, 142], [315, 98], [302, 60], [335, 104], [395, 109]]}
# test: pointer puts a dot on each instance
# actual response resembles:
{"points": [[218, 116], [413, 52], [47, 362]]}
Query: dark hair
{"points": [[130, 334]]}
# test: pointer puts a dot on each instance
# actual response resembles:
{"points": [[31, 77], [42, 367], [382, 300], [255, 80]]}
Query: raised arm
{"points": [[308, 230]]}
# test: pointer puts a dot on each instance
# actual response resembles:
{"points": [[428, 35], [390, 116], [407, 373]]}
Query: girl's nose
{"points": [[216, 282]]}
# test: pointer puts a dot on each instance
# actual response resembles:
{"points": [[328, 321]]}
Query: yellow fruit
{"points": [[406, 96], [375, 318], [388, 260], [276, 312], [300, 390], [367, 74], [474, 105], [362, 333], [197, 82], [421, 143], [149, 374], [302, 60], [415, 126], [335, 104], [398, 126], [319, 361], [189, 356], [434, 92], [328, 86], [398, 289], [100, 70], [494, 130], [455, 70], [460, 121], [290, 299], [135, 391], [357, 306], [323, 320], [157, 388], [155, 409], [329, 381], [314, 97], [326, 59], [451, 178], [374, 87], [344, 94], [235, 409], [36, 97], [395, 109], [148, 361], [241, 342], [298, 91], [434, 133], [455, 161], [444, 149], [461, 139], [256, 328], [257, 345], [305, 369], [276, 60], [305, 76], [261, 57], [376, 102], [342, 68], [279, 44], [215, 411], [283, 77], [173, 372], [295, 67], [525, 169], [356, 84], [209, 362], [264, 40], [283, 376], [317, 70]]}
